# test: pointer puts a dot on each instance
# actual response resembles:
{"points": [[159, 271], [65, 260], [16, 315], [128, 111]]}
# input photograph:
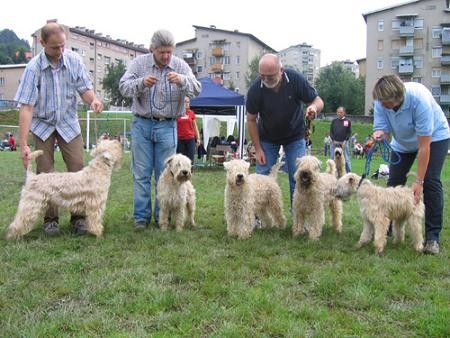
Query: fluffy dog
{"points": [[339, 159], [247, 196], [175, 193], [312, 193], [381, 205], [83, 192]]}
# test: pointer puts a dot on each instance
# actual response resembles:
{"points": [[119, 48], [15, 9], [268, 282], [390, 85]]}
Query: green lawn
{"points": [[201, 283]]}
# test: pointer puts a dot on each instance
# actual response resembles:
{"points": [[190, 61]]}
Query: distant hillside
{"points": [[12, 49]]}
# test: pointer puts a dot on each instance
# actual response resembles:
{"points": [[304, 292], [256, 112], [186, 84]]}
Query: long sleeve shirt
{"points": [[163, 99], [341, 129]]}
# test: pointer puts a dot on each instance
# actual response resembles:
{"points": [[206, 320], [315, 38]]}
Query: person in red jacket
{"points": [[12, 142], [188, 135]]}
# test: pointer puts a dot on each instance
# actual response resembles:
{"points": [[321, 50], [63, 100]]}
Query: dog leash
{"points": [[386, 154]]}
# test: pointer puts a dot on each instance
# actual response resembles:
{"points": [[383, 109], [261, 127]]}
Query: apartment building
{"points": [[304, 58], [9, 80], [96, 50], [411, 40], [222, 55]]}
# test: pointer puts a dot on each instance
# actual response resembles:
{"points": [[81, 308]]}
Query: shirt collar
{"points": [[45, 63]]}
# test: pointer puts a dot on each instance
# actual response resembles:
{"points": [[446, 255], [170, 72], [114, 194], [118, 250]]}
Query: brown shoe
{"points": [[79, 227], [51, 228]]}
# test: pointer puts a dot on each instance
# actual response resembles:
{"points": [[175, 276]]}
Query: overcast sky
{"points": [[337, 28]]}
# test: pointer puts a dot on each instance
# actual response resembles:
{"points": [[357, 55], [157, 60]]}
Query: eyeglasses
{"points": [[270, 77]]}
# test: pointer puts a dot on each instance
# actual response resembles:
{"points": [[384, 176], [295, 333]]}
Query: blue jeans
{"points": [[292, 151], [433, 194], [152, 143], [348, 163]]}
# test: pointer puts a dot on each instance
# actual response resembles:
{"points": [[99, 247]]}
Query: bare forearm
{"points": [[25, 117], [253, 132]]}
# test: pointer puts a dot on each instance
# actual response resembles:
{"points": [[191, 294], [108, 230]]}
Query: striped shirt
{"points": [[52, 93], [163, 99]]}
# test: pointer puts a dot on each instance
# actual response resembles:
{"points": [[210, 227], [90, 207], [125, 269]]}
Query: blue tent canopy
{"points": [[216, 98]]}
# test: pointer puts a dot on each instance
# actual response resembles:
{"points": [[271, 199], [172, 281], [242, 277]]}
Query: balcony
{"points": [[190, 61], [445, 78], [406, 69], [406, 51], [445, 60], [445, 36], [217, 52], [406, 30], [444, 99], [217, 68]]}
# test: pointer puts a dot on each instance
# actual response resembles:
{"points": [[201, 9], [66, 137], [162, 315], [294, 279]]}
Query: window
{"points": [[226, 76], [394, 63], [436, 90], [199, 69], [107, 60], [417, 79], [436, 32], [436, 52], [418, 23], [436, 72], [74, 49], [238, 44], [238, 59], [418, 62], [238, 75], [380, 44], [380, 25], [2, 81], [395, 44], [380, 64], [199, 55], [226, 60], [99, 57], [395, 24]]}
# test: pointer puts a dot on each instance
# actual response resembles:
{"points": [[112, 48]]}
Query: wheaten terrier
{"points": [[175, 193], [339, 159], [381, 205], [312, 193], [247, 196], [83, 192]]}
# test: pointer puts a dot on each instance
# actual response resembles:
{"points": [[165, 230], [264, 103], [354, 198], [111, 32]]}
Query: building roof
{"points": [[18, 65], [235, 32], [365, 15]]}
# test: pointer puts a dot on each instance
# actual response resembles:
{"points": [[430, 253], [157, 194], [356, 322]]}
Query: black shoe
{"points": [[140, 226], [51, 228], [431, 248], [79, 227]]}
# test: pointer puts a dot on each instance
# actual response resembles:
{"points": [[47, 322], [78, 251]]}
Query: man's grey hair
{"points": [[162, 38]]}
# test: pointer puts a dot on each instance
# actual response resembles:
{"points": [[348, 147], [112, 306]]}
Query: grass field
{"points": [[201, 283]]}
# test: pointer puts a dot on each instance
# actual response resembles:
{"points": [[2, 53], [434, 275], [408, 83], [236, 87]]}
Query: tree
{"points": [[12, 49], [338, 86], [253, 70], [111, 84]]}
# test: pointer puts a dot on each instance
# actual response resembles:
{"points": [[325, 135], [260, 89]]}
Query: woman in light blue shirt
{"points": [[419, 129]]}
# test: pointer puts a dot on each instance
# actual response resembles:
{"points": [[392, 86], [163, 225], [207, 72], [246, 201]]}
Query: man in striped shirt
{"points": [[158, 83], [47, 100]]}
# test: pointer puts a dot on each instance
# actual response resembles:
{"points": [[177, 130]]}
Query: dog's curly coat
{"points": [[247, 196], [312, 193], [381, 205], [175, 193], [83, 192]]}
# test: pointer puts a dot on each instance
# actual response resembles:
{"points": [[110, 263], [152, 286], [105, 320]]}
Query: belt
{"points": [[154, 118]]}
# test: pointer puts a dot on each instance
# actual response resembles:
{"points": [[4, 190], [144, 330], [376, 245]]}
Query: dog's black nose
{"points": [[184, 172], [239, 177]]}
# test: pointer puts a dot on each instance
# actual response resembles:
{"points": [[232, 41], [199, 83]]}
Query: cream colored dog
{"points": [[175, 193], [381, 205], [339, 159], [312, 193], [83, 192], [247, 196]]}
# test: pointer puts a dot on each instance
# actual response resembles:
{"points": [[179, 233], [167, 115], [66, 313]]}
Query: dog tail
{"points": [[275, 168], [34, 155], [331, 167]]}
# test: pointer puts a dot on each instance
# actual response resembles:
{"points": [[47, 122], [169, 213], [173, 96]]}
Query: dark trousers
{"points": [[187, 148], [72, 154], [433, 194]]}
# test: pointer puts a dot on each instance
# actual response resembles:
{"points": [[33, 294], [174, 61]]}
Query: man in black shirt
{"points": [[340, 133], [275, 114]]}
